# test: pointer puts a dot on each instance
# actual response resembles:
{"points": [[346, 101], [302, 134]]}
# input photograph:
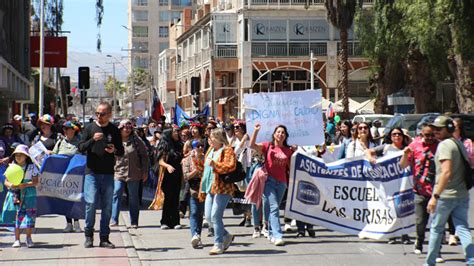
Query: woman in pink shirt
{"points": [[277, 162]]}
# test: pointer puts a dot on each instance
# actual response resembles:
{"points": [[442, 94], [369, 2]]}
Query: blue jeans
{"points": [[273, 195], [133, 200], [196, 211], [214, 209], [458, 209], [98, 187]]}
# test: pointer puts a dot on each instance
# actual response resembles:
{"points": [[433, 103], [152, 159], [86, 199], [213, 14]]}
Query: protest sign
{"points": [[352, 196], [38, 153], [299, 111], [60, 187]]}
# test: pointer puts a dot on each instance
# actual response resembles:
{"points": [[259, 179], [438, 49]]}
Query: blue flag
{"points": [[60, 188], [180, 116]]}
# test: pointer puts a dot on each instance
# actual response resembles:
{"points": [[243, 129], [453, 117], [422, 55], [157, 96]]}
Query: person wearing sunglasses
{"points": [[101, 142], [192, 175], [344, 138], [361, 142], [130, 170], [419, 156]]}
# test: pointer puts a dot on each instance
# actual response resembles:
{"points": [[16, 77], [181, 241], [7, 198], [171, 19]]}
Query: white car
{"points": [[383, 118]]}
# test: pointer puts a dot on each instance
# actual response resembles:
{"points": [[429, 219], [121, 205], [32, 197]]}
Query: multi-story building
{"points": [[14, 56], [148, 26], [236, 47]]}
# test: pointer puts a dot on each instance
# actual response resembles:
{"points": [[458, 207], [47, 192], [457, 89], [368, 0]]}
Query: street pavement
{"points": [[149, 245]]}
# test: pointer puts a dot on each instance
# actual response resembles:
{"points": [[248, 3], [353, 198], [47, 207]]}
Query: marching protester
{"points": [[47, 135], [9, 138], [344, 138], [101, 141], [170, 155], [68, 145], [419, 155], [19, 207], [395, 141], [131, 169], [362, 141], [192, 175], [450, 194], [219, 159], [460, 134], [277, 162]]}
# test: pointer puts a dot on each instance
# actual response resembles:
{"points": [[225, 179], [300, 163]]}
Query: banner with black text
{"points": [[352, 196]]}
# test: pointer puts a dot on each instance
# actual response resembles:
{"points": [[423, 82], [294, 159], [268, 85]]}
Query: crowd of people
{"points": [[184, 163]]}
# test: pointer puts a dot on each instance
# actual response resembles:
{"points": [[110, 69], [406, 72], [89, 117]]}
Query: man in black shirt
{"points": [[101, 141]]}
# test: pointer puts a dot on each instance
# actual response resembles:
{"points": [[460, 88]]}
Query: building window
{"points": [[140, 31], [163, 46], [140, 47], [164, 16], [164, 2], [140, 62], [141, 2], [182, 2], [140, 15], [164, 31]]}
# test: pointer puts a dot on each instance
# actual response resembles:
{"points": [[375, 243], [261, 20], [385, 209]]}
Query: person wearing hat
{"points": [[450, 194], [8, 136], [68, 145], [47, 135], [131, 169], [19, 208], [101, 141]]}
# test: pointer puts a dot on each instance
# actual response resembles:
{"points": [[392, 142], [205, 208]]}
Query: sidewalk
{"points": [[53, 247]]}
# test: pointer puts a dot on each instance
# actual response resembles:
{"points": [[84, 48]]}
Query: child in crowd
{"points": [[21, 215]]}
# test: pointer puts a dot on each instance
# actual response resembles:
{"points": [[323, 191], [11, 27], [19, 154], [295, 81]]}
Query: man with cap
{"points": [[101, 141], [450, 195]]}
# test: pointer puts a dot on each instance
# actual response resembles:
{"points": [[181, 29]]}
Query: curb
{"points": [[132, 254]]}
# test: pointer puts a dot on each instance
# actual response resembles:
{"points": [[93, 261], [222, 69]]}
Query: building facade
{"points": [[235, 47], [14, 56]]}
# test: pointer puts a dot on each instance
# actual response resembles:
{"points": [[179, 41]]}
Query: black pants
{"points": [[69, 220], [422, 217], [302, 226], [171, 186]]}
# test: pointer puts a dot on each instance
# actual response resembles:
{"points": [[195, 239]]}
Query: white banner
{"points": [[299, 111], [352, 196]]}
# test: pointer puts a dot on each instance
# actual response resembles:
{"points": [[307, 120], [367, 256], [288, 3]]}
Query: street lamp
{"points": [[114, 90]]}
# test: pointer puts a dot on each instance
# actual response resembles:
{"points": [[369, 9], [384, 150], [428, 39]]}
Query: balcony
{"points": [[277, 4], [353, 48], [288, 49], [226, 51]]}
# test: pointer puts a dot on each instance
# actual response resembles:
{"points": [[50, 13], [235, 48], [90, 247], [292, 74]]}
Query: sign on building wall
{"points": [[266, 30], [225, 28], [317, 29]]}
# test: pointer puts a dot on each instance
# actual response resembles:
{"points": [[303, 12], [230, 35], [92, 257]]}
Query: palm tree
{"points": [[341, 14]]}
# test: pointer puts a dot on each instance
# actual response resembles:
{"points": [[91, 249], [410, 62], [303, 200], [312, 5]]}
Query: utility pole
{"points": [[311, 58], [41, 78], [114, 91], [211, 66]]}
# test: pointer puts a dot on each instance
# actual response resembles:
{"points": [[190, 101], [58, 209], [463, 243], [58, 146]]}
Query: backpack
{"points": [[469, 172]]}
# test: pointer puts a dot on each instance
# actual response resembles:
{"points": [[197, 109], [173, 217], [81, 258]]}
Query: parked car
{"points": [[411, 122], [468, 120]]}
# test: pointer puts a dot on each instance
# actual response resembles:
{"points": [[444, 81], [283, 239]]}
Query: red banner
{"points": [[55, 51]]}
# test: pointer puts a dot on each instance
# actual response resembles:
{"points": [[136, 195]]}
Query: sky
{"points": [[79, 19]]}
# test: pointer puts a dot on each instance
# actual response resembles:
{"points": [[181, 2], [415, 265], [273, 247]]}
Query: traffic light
{"points": [[69, 100], [84, 78], [66, 84], [83, 96], [195, 91]]}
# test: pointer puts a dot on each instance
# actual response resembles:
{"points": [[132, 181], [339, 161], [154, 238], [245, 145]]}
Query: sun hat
{"points": [[17, 117], [73, 125], [124, 122], [46, 119], [23, 149]]}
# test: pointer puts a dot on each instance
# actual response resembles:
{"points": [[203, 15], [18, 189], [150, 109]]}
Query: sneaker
{"points": [[265, 232], [392, 241], [178, 226], [293, 223], [300, 234], [114, 224], [89, 243], [196, 241], [256, 233], [106, 244], [77, 227], [288, 228], [16, 244], [68, 228], [439, 259], [228, 240], [417, 251], [406, 240], [418, 247], [134, 226], [217, 249], [279, 242], [29, 242], [210, 232], [164, 227], [205, 224], [311, 232], [452, 240]]}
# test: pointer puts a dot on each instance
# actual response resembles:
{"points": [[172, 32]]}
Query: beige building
{"points": [[234, 47]]}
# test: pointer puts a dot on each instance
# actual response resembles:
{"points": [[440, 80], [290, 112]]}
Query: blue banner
{"points": [[60, 188], [180, 116]]}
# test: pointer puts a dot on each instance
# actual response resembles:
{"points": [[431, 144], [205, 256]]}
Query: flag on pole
{"points": [[180, 116], [330, 110], [158, 110]]}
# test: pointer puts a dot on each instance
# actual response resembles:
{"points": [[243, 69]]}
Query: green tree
{"points": [[114, 83], [341, 14], [140, 78]]}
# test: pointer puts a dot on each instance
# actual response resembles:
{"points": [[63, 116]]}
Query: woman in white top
{"points": [[362, 141]]}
